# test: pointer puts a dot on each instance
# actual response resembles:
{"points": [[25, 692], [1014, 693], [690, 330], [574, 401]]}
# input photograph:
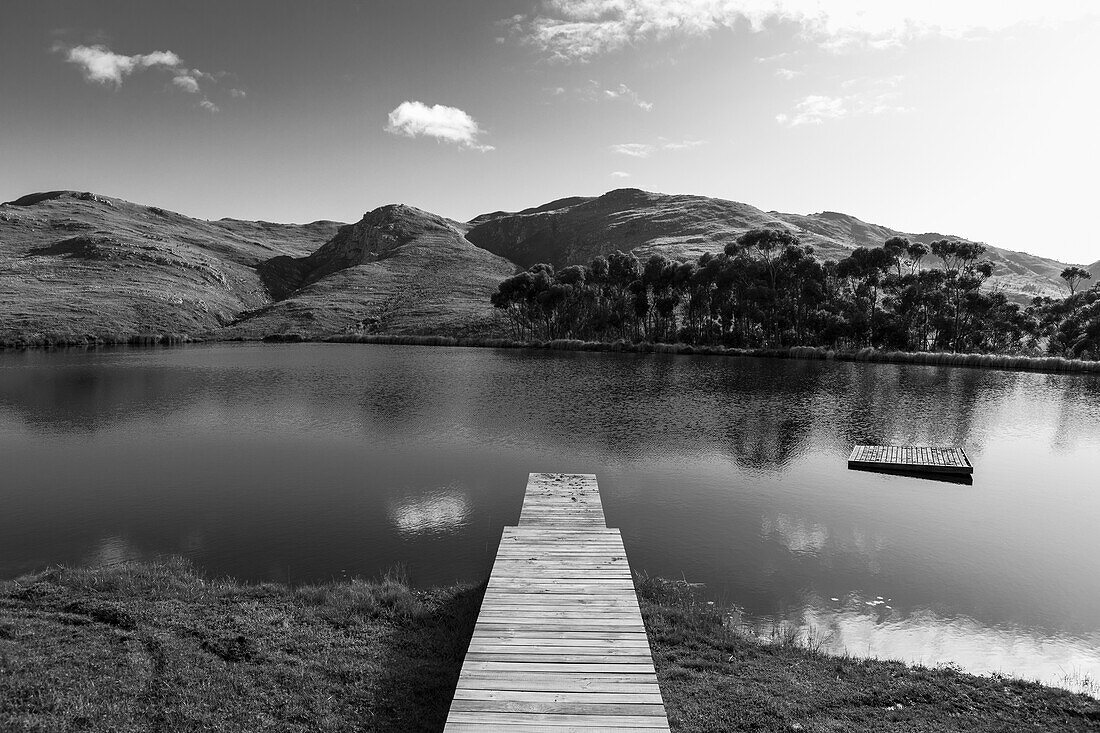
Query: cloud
{"points": [[624, 92], [813, 110], [788, 74], [644, 150], [238, 93], [448, 124], [594, 91], [187, 83], [579, 30], [634, 150], [864, 97], [681, 144], [619, 174], [101, 65]]}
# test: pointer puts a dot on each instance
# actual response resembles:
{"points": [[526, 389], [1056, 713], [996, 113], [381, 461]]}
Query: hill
{"points": [[574, 230], [398, 270], [76, 265], [79, 266]]}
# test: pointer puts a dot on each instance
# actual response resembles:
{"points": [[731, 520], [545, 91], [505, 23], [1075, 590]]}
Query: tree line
{"points": [[767, 290]]}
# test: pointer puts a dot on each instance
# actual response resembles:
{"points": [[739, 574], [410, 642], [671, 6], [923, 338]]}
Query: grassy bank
{"points": [[1050, 364], [63, 340], [716, 678], [1046, 364], [159, 647]]}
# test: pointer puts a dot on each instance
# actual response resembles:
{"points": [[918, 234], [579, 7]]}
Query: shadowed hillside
{"points": [[574, 230], [398, 270]]}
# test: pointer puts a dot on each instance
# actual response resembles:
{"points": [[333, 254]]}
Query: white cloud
{"points": [[103, 66], [594, 91], [681, 144], [863, 97], [644, 150], [238, 93], [813, 110], [578, 30], [626, 93], [788, 74], [619, 174], [634, 150], [449, 124], [187, 83]]}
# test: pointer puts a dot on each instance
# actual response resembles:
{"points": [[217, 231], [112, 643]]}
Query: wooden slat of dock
{"points": [[931, 459], [559, 643]]}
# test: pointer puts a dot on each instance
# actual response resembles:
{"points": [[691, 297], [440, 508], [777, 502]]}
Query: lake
{"points": [[308, 462]]}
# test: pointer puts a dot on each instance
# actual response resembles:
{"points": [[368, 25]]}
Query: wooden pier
{"points": [[559, 643], [915, 459]]}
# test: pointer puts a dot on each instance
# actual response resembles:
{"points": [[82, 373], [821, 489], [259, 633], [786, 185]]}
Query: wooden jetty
{"points": [[559, 643], [911, 458]]}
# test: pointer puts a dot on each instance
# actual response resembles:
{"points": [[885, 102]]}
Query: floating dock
{"points": [[911, 459], [559, 643]]}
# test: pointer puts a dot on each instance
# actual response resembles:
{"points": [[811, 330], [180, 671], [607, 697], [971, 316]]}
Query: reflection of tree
{"points": [[763, 413], [917, 405], [1077, 396]]}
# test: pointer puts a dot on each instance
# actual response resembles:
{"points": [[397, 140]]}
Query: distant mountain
{"points": [[1094, 268], [574, 230], [76, 265]]}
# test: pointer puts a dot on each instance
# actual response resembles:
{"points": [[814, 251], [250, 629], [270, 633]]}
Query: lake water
{"points": [[307, 462]]}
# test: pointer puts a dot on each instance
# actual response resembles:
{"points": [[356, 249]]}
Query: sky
{"points": [[970, 117]]}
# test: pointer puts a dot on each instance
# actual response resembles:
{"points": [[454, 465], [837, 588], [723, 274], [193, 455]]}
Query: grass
{"points": [[1047, 364], [717, 677], [1053, 364], [160, 647]]}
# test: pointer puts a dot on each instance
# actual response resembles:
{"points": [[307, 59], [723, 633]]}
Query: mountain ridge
{"points": [[80, 266], [682, 226]]}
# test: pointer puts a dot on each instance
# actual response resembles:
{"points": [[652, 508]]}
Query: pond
{"points": [[307, 462]]}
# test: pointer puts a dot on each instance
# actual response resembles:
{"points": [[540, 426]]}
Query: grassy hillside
{"points": [[398, 270], [76, 265], [574, 230], [80, 267]]}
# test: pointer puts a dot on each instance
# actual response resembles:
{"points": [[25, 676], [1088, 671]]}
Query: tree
{"points": [[1073, 276]]}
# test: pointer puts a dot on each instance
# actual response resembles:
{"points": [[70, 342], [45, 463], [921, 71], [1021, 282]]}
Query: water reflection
{"points": [[432, 513], [874, 628], [309, 462]]}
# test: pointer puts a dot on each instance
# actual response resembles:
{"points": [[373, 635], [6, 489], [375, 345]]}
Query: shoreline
{"points": [[1002, 362], [159, 645]]}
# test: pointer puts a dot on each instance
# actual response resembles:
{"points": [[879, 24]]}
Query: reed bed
{"points": [[1052, 364], [1007, 362], [51, 340]]}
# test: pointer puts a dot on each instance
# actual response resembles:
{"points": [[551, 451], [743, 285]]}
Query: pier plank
{"points": [[559, 644]]}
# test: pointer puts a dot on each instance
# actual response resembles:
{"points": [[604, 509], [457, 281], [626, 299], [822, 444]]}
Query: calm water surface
{"points": [[307, 462]]}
